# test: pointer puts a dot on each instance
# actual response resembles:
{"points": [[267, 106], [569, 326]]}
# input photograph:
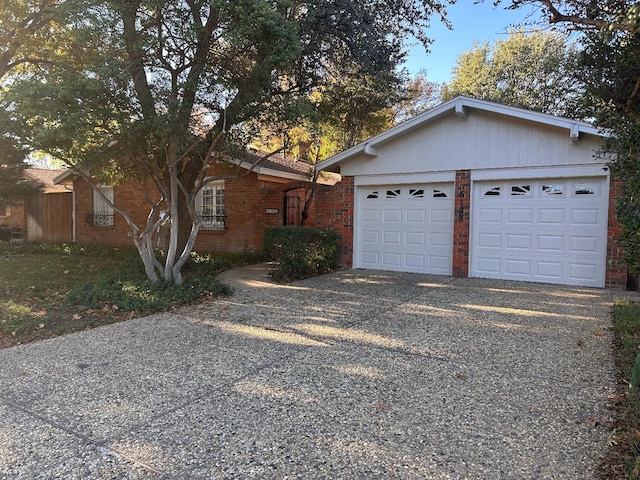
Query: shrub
{"points": [[300, 252], [142, 296], [5, 233]]}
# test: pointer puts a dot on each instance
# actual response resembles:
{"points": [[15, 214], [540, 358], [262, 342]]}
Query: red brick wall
{"points": [[462, 204], [334, 209], [616, 274], [127, 197], [17, 217], [246, 202]]}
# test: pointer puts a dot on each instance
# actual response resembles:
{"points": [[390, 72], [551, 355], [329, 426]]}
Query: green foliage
{"points": [[16, 318], [300, 252], [356, 106], [5, 233], [129, 290], [13, 187], [532, 71], [610, 68], [140, 295], [150, 90], [55, 288], [204, 264], [626, 317]]}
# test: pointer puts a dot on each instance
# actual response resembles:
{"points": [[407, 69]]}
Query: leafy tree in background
{"points": [[420, 95], [25, 33], [13, 188], [609, 66], [532, 71], [157, 90]]}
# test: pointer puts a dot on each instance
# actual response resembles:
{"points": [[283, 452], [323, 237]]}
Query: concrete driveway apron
{"points": [[357, 374]]}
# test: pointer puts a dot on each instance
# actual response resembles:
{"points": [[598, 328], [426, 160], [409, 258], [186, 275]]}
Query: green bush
{"points": [[5, 233], [142, 296], [300, 252]]}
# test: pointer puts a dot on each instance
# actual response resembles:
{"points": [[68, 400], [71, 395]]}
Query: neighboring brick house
{"points": [[472, 188], [235, 211], [45, 216]]}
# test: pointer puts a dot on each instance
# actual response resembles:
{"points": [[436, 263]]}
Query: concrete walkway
{"points": [[357, 374]]}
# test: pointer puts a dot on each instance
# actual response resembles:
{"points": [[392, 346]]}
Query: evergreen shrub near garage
{"points": [[300, 252]]}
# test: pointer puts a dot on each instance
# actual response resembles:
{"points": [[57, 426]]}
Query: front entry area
{"points": [[407, 228]]}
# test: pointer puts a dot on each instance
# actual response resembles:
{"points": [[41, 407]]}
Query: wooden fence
{"points": [[50, 217]]}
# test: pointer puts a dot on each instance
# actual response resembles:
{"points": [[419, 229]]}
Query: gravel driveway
{"points": [[357, 374]]}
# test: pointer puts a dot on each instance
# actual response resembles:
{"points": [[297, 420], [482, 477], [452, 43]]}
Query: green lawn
{"points": [[623, 460], [51, 289]]}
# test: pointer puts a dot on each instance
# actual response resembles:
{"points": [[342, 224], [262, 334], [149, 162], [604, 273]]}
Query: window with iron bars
{"points": [[210, 206], [102, 214]]}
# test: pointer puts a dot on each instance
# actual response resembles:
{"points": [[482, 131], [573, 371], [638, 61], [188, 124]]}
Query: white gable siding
{"points": [[483, 140]]}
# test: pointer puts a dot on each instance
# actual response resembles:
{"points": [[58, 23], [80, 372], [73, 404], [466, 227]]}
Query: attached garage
{"points": [[406, 228], [549, 230], [475, 188]]}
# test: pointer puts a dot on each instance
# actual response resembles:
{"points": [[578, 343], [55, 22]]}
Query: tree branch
{"points": [[558, 17], [136, 56]]}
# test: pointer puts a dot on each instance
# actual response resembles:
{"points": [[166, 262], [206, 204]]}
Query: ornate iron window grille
{"points": [[101, 219], [213, 221]]}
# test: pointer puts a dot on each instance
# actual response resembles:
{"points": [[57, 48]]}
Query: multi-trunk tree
{"points": [[156, 90]]}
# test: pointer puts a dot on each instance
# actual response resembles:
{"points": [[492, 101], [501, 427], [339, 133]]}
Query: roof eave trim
{"points": [[460, 105], [274, 173], [62, 176]]}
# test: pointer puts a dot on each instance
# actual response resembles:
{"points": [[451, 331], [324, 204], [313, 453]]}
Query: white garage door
{"points": [[551, 231], [406, 228]]}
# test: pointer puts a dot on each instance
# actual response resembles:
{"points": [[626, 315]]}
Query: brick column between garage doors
{"points": [[461, 224]]}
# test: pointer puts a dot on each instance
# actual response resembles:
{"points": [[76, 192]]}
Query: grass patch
{"points": [[623, 460], [18, 319], [50, 289]]}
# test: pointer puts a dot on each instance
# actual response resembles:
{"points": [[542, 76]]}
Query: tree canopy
{"points": [[26, 28], [532, 71], [609, 67], [156, 90]]}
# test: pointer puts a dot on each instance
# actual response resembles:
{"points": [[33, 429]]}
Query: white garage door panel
{"points": [[550, 230], [405, 228]]}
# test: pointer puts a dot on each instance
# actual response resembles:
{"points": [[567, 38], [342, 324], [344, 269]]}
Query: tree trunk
{"points": [[187, 177], [173, 233], [147, 259]]}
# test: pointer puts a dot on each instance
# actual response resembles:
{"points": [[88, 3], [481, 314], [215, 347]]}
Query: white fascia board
{"points": [[460, 105], [274, 173], [62, 177], [537, 117], [571, 171], [405, 178], [340, 157]]}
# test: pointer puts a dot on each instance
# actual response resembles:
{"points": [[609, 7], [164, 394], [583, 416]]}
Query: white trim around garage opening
{"points": [[404, 178], [571, 171]]}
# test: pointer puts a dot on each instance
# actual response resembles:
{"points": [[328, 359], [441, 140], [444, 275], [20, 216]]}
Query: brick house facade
{"points": [[246, 206]]}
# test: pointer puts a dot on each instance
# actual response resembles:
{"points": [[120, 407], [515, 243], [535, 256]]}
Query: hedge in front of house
{"points": [[300, 252]]}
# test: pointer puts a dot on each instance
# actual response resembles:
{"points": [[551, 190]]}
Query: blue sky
{"points": [[481, 22]]}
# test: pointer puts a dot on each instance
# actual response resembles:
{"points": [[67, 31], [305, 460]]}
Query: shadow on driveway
{"points": [[357, 374]]}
